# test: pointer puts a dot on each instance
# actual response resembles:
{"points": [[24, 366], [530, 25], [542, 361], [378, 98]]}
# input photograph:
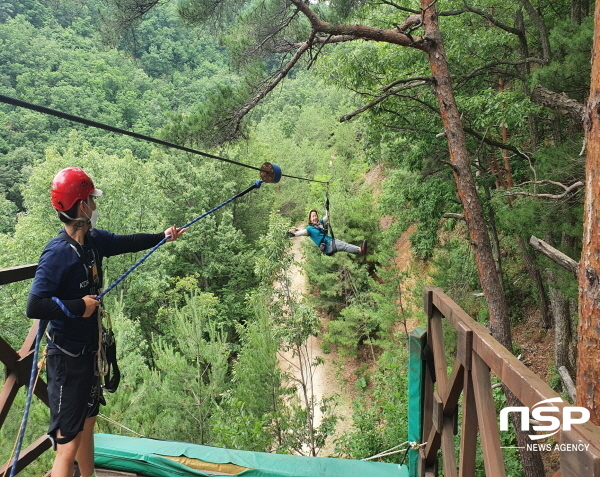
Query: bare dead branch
{"points": [[271, 35], [568, 384], [559, 102], [237, 119], [559, 184], [450, 215], [567, 190], [553, 254], [381, 98], [314, 58], [363, 32], [285, 46]]}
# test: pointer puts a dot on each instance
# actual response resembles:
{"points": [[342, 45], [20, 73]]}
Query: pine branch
{"points": [[363, 32], [379, 99], [281, 74]]}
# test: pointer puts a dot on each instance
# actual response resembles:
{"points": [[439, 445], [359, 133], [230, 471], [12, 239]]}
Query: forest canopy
{"points": [[340, 93]]}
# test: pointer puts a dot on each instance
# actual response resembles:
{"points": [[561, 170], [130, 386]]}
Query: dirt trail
{"points": [[325, 382]]}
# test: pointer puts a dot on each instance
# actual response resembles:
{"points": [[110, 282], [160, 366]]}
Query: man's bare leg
{"points": [[85, 453]]}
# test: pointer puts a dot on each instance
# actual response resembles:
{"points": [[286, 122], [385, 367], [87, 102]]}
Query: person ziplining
{"points": [[317, 230]]}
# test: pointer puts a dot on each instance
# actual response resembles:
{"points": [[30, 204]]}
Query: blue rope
{"points": [[64, 309], [32, 378], [256, 185]]}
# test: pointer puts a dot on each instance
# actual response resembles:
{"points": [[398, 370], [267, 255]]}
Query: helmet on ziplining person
{"points": [[69, 186]]}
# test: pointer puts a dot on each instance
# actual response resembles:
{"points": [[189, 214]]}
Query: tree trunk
{"points": [[555, 255], [576, 11], [588, 366], [526, 70], [536, 276], [563, 338], [575, 110], [493, 232], [538, 21], [473, 211], [465, 184]]}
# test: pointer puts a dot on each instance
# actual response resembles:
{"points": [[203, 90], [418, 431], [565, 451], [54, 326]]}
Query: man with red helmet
{"points": [[67, 281]]}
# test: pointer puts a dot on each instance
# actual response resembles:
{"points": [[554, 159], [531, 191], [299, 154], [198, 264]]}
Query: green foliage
{"points": [[199, 325], [455, 271], [512, 462], [413, 200], [355, 325], [8, 211], [569, 70], [380, 414]]}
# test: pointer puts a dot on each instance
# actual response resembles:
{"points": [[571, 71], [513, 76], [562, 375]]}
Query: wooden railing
{"points": [[478, 355], [18, 368]]}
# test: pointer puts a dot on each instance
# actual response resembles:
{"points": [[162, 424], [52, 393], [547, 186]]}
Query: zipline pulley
{"points": [[270, 173]]}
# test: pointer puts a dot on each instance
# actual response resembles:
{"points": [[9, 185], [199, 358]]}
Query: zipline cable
{"points": [[106, 127]]}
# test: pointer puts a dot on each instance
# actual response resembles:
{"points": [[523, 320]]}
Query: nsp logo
{"points": [[539, 414]]}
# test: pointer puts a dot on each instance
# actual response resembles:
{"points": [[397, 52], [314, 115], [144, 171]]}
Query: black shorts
{"points": [[73, 393]]}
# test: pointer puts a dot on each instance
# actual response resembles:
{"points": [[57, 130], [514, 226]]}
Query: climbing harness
{"points": [[270, 173]]}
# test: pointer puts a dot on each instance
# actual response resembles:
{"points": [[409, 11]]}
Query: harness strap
{"points": [[330, 228]]}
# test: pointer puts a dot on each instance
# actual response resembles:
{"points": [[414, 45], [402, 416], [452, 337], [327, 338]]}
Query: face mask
{"points": [[93, 218]]}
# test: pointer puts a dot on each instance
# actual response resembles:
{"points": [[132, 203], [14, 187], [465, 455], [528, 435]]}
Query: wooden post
{"points": [[486, 418]]}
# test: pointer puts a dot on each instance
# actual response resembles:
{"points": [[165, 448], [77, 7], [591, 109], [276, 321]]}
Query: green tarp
{"points": [[416, 378], [150, 457]]}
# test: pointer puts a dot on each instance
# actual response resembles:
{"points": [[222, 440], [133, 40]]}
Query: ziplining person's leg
{"points": [[341, 246]]}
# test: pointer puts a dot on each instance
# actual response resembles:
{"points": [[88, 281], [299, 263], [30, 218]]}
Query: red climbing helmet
{"points": [[69, 186]]}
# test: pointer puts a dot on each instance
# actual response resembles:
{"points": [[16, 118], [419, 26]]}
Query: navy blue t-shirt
{"points": [[61, 273]]}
